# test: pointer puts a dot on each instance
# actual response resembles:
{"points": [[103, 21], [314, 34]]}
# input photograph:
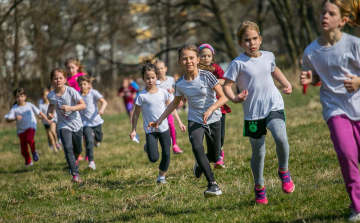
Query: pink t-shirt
{"points": [[73, 82]]}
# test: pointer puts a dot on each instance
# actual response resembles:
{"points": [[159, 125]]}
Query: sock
{"points": [[260, 187]]}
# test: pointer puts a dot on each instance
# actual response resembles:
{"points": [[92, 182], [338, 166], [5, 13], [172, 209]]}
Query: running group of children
{"points": [[333, 58]]}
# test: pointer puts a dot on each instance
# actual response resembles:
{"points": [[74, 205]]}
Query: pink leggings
{"points": [[170, 119], [345, 135]]}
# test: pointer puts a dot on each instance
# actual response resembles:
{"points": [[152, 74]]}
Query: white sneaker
{"points": [[29, 164], [97, 144], [92, 165], [354, 216]]}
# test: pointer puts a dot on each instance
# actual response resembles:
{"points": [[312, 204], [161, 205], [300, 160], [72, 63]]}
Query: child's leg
{"points": [[165, 143], [24, 147], [196, 136], [66, 138], [98, 133], [51, 138], [277, 128], [170, 119], [77, 142], [344, 133], [152, 146], [89, 143], [257, 159], [30, 133], [213, 141], [222, 130], [53, 131]]}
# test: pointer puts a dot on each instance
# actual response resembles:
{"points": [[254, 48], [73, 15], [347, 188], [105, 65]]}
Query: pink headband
{"points": [[205, 45]]}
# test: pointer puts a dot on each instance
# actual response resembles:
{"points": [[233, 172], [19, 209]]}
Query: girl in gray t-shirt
{"points": [[200, 88], [152, 101], [263, 105]]}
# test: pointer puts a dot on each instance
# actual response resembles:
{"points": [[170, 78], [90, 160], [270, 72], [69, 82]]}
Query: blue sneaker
{"points": [[260, 195], [35, 156]]}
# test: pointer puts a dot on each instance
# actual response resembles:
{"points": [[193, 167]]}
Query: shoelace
{"points": [[285, 177], [260, 194]]}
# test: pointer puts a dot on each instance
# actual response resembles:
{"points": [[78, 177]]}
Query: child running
{"points": [[200, 88], [74, 69], [262, 103], [334, 59], [24, 113], [153, 101], [128, 93], [67, 102], [207, 53], [91, 117], [50, 127], [168, 84]]}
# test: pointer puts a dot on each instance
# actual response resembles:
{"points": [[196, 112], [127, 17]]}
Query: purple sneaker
{"points": [[260, 195], [35, 156]]}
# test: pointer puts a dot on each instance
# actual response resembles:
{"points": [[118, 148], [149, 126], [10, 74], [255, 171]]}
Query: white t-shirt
{"points": [[153, 106], [168, 84], [27, 112], [67, 120], [200, 95], [254, 74], [43, 108], [331, 64], [89, 115]]}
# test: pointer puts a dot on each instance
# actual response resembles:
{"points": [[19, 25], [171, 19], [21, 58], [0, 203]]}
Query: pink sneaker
{"points": [[80, 158], [176, 149], [87, 158], [220, 163], [288, 185], [76, 179], [260, 195]]}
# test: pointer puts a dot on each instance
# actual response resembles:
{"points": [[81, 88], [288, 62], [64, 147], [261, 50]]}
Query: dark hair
{"points": [[57, 69], [19, 91], [86, 78], [147, 65], [193, 47], [43, 90]]}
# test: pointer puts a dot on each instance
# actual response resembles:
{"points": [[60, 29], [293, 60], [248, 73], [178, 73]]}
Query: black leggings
{"points": [[212, 135], [222, 130], [152, 148]]}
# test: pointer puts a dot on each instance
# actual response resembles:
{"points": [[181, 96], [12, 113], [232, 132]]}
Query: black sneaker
{"points": [[212, 191], [197, 170]]}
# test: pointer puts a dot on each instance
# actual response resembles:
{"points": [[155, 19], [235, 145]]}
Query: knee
{"points": [[153, 159]]}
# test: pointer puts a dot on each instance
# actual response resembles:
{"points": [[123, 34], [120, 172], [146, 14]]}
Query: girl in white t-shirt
{"points": [[91, 117], [263, 105], [24, 113], [50, 127], [334, 59], [168, 84], [153, 101], [200, 88], [67, 102]]}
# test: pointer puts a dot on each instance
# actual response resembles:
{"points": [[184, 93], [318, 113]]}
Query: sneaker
{"points": [[76, 179], [58, 146], [80, 158], [212, 191], [260, 195], [176, 149], [355, 216], [35, 156], [29, 164], [220, 163], [288, 185], [92, 165], [87, 159], [161, 181], [97, 144], [197, 170], [145, 148]]}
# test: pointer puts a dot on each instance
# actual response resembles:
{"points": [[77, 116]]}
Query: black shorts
{"points": [[257, 128], [47, 126]]}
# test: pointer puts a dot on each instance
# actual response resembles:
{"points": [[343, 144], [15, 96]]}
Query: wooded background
{"points": [[111, 36]]}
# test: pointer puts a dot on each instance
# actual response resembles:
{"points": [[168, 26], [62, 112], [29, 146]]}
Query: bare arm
{"points": [[103, 105], [220, 102], [280, 77], [230, 94], [172, 106], [176, 115], [80, 106], [50, 111], [134, 121], [221, 81]]}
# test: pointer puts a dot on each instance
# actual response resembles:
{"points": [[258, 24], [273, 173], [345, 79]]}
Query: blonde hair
{"points": [[77, 63], [193, 47], [246, 26], [348, 8]]}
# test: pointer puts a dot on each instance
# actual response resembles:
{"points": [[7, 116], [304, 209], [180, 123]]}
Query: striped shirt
{"points": [[200, 95]]}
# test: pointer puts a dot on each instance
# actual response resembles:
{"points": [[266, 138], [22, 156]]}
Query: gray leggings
{"points": [[152, 148], [72, 142], [277, 128]]}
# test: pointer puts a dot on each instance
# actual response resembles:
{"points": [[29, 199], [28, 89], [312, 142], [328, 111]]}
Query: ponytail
{"points": [[355, 13], [203, 66]]}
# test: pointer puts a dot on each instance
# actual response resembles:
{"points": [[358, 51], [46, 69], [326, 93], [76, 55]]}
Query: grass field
{"points": [[123, 188]]}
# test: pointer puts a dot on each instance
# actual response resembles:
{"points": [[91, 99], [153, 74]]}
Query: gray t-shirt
{"points": [[200, 95], [89, 115], [331, 64], [254, 74], [27, 112], [67, 120], [168, 84], [153, 106]]}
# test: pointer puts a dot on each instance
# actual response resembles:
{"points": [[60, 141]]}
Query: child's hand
{"points": [[49, 121], [181, 104], [182, 127], [207, 114], [153, 125], [287, 89], [50, 116], [19, 117], [66, 108], [101, 112], [241, 97], [306, 77], [170, 91], [352, 84], [132, 134]]}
